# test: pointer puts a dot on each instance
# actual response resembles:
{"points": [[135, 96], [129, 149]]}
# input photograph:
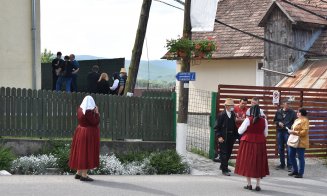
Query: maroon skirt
{"points": [[85, 149], [252, 160]]}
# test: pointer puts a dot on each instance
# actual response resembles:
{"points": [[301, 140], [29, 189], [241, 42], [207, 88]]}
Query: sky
{"points": [[106, 28]]}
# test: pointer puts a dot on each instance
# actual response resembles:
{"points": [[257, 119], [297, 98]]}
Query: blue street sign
{"points": [[185, 76]]}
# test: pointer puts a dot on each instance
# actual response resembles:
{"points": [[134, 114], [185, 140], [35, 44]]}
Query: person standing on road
{"points": [[92, 79], [255, 101], [252, 160], [122, 81], [301, 129], [103, 84], [226, 132], [284, 119], [85, 148], [65, 75]]}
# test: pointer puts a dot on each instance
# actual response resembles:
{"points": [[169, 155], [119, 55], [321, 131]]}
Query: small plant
{"points": [[6, 158], [182, 47], [62, 155], [132, 156], [35, 165], [168, 162], [199, 152]]}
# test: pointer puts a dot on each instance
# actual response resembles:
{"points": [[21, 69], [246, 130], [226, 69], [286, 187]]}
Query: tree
{"points": [[47, 56], [138, 46]]}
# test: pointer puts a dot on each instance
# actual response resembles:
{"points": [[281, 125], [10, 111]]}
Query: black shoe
{"points": [[77, 176], [248, 187], [280, 167], [257, 188], [227, 170], [298, 176], [86, 179], [293, 174], [289, 168], [226, 173]]}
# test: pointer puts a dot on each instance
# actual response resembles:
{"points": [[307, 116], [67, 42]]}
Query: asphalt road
{"points": [[157, 185]]}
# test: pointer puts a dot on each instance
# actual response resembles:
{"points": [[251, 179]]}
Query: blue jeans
{"points": [[67, 80], [282, 137], [300, 156]]}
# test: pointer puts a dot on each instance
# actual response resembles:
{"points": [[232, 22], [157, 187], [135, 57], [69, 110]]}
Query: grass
{"points": [[199, 152]]}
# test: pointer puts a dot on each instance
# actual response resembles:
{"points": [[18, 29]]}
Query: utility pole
{"points": [[138, 46], [181, 133]]}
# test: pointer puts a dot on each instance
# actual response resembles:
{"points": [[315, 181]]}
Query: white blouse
{"points": [[245, 125]]}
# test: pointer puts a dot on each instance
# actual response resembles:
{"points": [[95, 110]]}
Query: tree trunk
{"points": [[184, 92], [138, 46]]}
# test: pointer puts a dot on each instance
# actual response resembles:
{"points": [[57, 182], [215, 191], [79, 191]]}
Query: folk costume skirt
{"points": [[85, 149], [252, 160]]}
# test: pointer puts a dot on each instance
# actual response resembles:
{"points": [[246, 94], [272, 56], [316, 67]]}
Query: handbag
{"points": [[293, 141]]}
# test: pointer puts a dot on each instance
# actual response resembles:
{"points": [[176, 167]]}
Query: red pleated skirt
{"points": [[252, 160], [85, 149]]}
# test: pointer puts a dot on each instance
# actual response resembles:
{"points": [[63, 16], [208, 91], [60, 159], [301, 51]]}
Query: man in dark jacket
{"points": [[92, 79], [284, 118], [56, 64], [226, 131]]}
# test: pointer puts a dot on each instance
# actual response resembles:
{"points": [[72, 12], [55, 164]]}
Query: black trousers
{"points": [[54, 81], [226, 149]]}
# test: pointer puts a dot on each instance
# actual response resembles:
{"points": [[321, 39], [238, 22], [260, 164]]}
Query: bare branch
{"points": [[181, 2]]}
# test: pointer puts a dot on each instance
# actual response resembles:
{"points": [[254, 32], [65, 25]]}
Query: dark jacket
{"points": [[92, 81], [103, 87], [286, 117], [225, 125], [54, 66]]}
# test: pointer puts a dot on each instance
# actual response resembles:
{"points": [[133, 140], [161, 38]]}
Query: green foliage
{"points": [[6, 158], [199, 152], [62, 155], [168, 162], [47, 56], [132, 156], [155, 83]]}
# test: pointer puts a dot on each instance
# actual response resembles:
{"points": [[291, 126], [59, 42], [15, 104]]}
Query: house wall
{"points": [[280, 29], [211, 73], [16, 44]]}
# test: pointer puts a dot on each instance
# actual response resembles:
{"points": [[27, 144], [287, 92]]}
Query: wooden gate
{"points": [[313, 100]]}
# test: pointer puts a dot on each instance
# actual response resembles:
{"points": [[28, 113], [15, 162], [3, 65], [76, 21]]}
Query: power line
{"points": [[304, 9], [255, 36], [169, 5], [265, 39]]}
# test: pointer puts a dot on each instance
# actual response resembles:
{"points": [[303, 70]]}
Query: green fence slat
{"points": [[2, 111], [29, 112], [69, 115]]}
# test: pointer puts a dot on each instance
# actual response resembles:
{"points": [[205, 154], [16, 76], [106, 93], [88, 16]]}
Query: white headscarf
{"points": [[87, 104]]}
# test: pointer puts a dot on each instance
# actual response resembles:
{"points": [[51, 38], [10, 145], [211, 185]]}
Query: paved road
{"points": [[157, 185]]}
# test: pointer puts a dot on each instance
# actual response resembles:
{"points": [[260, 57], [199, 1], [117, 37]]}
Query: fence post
{"points": [[212, 124], [173, 95]]}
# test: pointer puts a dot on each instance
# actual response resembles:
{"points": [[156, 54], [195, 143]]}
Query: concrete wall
{"points": [[210, 73], [16, 44], [22, 147]]}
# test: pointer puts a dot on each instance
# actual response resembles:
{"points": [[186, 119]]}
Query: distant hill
{"points": [[161, 70]]}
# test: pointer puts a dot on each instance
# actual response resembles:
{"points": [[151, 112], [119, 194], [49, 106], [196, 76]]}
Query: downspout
{"points": [[34, 44]]}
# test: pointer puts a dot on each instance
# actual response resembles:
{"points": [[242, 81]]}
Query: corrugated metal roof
{"points": [[312, 75]]}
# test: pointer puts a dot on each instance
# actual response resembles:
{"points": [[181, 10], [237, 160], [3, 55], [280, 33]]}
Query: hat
{"points": [[123, 70], [229, 101]]}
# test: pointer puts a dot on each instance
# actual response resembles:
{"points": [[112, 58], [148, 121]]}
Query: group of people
{"points": [[66, 72], [99, 83], [250, 127]]}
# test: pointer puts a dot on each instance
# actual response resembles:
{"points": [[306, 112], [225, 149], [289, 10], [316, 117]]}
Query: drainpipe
{"points": [[34, 44]]}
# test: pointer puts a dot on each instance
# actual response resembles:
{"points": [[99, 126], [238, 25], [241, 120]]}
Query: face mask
{"points": [[232, 109]]}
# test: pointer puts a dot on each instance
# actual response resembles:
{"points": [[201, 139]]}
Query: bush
{"points": [[132, 156], [33, 164], [168, 162], [6, 158], [62, 155]]}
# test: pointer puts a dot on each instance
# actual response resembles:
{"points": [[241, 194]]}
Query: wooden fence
{"points": [[32, 113], [313, 100]]}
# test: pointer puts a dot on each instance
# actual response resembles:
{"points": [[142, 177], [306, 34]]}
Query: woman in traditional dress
{"points": [[252, 161], [84, 154]]}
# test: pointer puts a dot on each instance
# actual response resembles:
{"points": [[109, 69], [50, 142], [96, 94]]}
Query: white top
{"points": [[245, 125], [114, 85], [229, 114], [87, 104]]}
